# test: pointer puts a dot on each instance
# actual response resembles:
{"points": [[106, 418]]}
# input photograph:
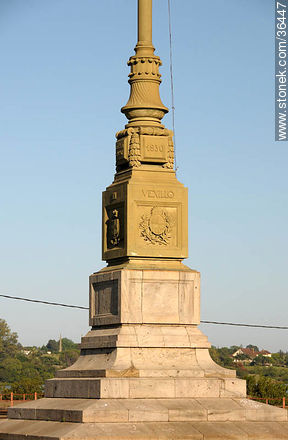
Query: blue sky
{"points": [[63, 80]]}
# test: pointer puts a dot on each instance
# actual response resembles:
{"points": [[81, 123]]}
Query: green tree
{"points": [[260, 360], [214, 353], [9, 344], [68, 344], [68, 357], [234, 348], [279, 359], [241, 371], [28, 385], [222, 356], [53, 346], [265, 387], [242, 357], [10, 370], [24, 371]]}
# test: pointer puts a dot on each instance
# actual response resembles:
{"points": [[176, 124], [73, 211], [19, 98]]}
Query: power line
{"points": [[278, 327], [45, 302], [282, 327]]}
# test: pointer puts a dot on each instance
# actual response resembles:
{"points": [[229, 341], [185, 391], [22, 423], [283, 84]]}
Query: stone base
{"points": [[134, 296], [195, 419], [145, 372], [144, 388]]}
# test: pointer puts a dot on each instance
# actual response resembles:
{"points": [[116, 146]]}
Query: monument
{"points": [[145, 369]]}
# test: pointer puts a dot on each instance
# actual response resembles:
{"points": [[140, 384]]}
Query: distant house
{"points": [[244, 355], [26, 352], [247, 355], [265, 353]]}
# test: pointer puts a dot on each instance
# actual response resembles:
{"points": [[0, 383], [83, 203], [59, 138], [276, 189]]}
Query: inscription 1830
{"points": [[154, 148]]}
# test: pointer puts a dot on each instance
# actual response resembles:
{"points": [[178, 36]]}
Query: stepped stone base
{"points": [[145, 372], [144, 388], [147, 410], [195, 419]]}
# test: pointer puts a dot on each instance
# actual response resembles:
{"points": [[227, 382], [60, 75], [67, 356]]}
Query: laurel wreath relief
{"points": [[156, 226]]}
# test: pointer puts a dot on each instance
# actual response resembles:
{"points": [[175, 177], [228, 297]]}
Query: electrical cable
{"points": [[278, 327], [44, 302]]}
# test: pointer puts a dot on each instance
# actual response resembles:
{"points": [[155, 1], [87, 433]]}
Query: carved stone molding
{"points": [[134, 153], [136, 145], [147, 67]]}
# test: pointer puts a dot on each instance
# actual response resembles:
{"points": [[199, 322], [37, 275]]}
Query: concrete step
{"points": [[43, 430], [144, 388], [132, 372], [145, 410]]}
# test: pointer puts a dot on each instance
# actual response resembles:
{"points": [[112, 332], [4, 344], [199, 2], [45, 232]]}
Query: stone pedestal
{"points": [[145, 372], [151, 297], [145, 342]]}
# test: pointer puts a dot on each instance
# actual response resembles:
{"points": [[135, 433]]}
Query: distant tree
{"points": [[68, 357], [241, 357], [68, 344], [5, 388], [279, 359], [10, 370], [234, 348], [222, 356], [9, 344], [43, 349], [28, 385], [52, 346], [265, 387], [241, 371], [214, 353], [260, 360], [24, 370]]}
